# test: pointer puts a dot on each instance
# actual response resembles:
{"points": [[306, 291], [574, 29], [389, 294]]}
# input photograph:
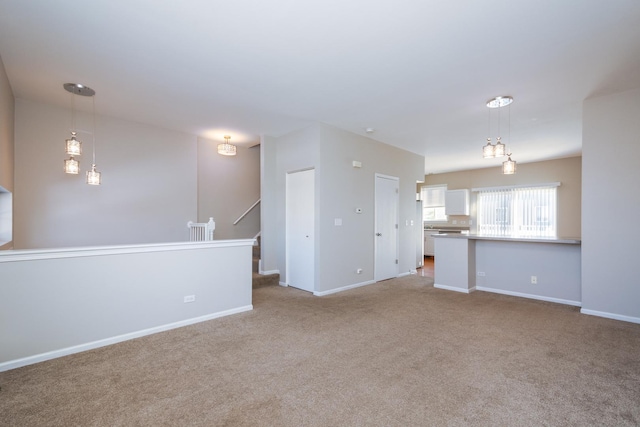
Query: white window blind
{"points": [[432, 197], [518, 212]]}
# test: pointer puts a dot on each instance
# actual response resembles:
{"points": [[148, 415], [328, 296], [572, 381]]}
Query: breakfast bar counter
{"points": [[540, 268]]}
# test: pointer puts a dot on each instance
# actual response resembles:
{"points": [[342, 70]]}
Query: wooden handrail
{"points": [[246, 212]]}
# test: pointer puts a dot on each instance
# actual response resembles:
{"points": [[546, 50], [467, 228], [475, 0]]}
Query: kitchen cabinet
{"points": [[456, 202], [428, 242]]}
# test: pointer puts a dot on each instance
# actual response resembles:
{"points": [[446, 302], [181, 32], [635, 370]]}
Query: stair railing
{"points": [[246, 212]]}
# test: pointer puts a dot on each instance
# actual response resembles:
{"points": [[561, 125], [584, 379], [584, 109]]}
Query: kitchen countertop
{"points": [[563, 240]]}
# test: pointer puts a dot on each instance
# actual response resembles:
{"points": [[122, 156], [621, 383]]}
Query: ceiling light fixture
{"points": [[498, 150], [509, 166], [93, 176], [73, 146], [226, 148]]}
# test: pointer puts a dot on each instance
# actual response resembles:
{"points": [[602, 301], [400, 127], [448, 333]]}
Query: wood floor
{"points": [[427, 268]]}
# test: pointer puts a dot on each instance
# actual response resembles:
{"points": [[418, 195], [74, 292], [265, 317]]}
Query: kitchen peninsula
{"points": [[547, 269]]}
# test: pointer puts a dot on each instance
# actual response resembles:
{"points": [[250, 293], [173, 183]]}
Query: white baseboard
{"points": [[407, 273], [453, 288], [260, 271], [30, 360], [610, 315], [344, 288], [530, 296], [286, 285], [413, 272]]}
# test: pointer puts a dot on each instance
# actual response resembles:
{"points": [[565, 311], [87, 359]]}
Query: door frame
{"points": [[375, 223]]}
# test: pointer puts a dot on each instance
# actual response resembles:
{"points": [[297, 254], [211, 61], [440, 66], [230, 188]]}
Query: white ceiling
{"points": [[417, 71]]}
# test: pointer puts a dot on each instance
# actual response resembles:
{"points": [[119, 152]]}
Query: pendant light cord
{"points": [[93, 106]]}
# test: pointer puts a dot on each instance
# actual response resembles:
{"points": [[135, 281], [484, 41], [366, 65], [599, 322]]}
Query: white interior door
{"points": [[386, 227], [300, 223]]}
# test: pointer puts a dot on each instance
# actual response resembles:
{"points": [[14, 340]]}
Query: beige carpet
{"points": [[397, 353]]}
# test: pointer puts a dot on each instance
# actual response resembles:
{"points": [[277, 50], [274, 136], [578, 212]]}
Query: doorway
{"points": [[300, 229], [386, 227]]}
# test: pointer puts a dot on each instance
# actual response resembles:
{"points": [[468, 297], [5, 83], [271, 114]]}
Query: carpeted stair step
{"points": [[260, 280]]}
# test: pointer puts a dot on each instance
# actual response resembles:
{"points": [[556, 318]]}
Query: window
{"points": [[432, 197], [6, 216], [517, 211]]}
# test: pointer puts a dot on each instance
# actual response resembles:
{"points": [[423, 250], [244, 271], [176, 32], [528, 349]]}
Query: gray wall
{"points": [[6, 157], [568, 171], [116, 294], [149, 182], [610, 178], [227, 187], [340, 188]]}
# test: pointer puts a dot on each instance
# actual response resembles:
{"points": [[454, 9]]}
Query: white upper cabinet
{"points": [[456, 202]]}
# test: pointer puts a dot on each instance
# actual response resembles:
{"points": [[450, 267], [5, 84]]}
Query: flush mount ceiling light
{"points": [[73, 146], [226, 148]]}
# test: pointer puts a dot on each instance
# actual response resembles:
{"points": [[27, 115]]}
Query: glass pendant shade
{"points": [[499, 148], [509, 167], [71, 166], [488, 150], [226, 148], [73, 147], [93, 176]]}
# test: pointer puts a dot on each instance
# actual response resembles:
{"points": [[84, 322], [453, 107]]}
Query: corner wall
{"points": [[610, 178], [340, 188]]}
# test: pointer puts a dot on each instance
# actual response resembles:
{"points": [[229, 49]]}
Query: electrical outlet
{"points": [[481, 273], [534, 280], [189, 298]]}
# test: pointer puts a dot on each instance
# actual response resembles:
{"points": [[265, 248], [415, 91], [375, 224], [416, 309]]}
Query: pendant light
{"points": [[509, 166], [73, 146], [93, 176], [226, 148], [71, 166], [498, 150]]}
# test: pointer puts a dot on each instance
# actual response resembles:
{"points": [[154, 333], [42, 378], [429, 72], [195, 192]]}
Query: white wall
{"points": [[149, 189], [227, 187], [6, 159], [59, 302], [610, 203], [508, 267], [340, 188]]}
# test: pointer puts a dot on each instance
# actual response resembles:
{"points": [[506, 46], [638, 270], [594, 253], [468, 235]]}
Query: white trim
{"points": [[530, 296], [283, 284], [610, 315], [35, 254], [509, 187], [268, 272], [413, 271], [13, 364], [344, 288], [408, 273], [453, 288]]}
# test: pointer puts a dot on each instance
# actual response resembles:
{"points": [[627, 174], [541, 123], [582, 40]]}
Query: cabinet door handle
{"points": [[378, 234]]}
